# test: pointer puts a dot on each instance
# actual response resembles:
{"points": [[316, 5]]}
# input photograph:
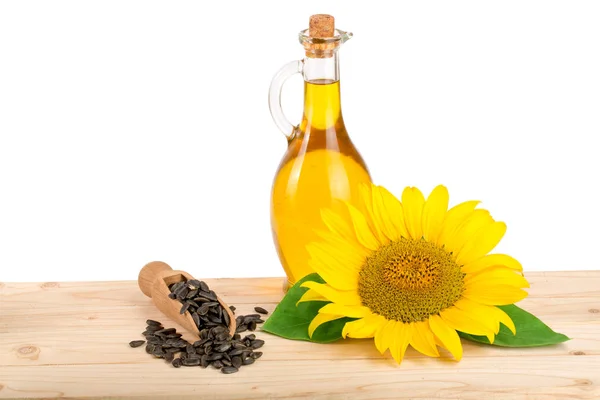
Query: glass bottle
{"points": [[321, 163]]}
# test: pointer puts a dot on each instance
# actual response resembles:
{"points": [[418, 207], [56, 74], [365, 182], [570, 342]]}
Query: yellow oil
{"points": [[321, 164]]}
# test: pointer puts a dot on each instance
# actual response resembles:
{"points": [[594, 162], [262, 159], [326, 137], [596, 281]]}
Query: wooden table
{"points": [[70, 340]]}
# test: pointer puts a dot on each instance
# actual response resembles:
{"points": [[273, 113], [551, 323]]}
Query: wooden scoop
{"points": [[154, 281]]}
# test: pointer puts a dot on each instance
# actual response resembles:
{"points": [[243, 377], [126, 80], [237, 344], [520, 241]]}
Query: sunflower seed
{"points": [[191, 362], [166, 331], [204, 361], [192, 304], [173, 336], [203, 310], [184, 308], [169, 356], [136, 343], [245, 354], [218, 364], [215, 356], [154, 328], [229, 370], [176, 362], [222, 348], [193, 283], [196, 319], [226, 362], [226, 319], [256, 354], [202, 285], [252, 326], [236, 361], [235, 352], [218, 329], [251, 317], [182, 292], [232, 308], [211, 295], [158, 352], [257, 344], [248, 361], [214, 319], [260, 310]]}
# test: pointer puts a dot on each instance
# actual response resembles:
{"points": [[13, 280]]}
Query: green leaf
{"points": [[531, 332], [291, 321]]}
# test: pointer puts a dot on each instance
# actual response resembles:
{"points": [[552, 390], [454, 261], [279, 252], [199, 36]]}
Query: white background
{"points": [[133, 131]]}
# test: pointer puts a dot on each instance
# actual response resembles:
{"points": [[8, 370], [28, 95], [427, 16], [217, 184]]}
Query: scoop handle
{"points": [[148, 275]]}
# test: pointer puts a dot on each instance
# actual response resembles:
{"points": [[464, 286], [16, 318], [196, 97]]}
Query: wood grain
{"points": [[70, 340]]}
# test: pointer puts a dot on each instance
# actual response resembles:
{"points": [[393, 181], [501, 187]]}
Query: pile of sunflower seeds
{"points": [[216, 346]]}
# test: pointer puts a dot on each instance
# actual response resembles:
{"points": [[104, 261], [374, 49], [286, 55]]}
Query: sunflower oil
{"points": [[321, 164]]}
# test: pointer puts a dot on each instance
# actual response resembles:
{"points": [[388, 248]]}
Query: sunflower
{"points": [[412, 272]]}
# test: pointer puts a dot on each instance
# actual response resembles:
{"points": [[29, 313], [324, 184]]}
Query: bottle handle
{"points": [[277, 113]]}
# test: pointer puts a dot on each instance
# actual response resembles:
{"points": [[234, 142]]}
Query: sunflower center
{"points": [[410, 280]]}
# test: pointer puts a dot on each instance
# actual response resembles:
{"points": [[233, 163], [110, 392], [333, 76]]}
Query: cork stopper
{"points": [[321, 40], [321, 26]]}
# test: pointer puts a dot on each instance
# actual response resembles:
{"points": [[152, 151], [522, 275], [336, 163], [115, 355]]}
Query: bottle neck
{"points": [[322, 103]]}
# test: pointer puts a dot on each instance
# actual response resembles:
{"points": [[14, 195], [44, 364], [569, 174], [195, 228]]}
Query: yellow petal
{"points": [[347, 298], [467, 230], [402, 335], [382, 335], [413, 202], [337, 224], [494, 295], [364, 327], [492, 260], [394, 212], [486, 239], [422, 339], [482, 312], [311, 295], [505, 319], [461, 321], [363, 232], [369, 212], [320, 319], [454, 217], [346, 311], [354, 326], [446, 335], [332, 265], [434, 212], [497, 276], [382, 216], [351, 247], [343, 257], [333, 277]]}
